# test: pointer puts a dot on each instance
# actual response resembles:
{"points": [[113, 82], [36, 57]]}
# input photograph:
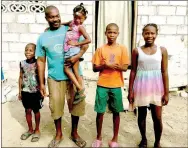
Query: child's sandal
{"points": [[79, 98], [81, 91]]}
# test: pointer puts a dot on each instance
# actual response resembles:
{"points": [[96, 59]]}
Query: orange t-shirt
{"points": [[117, 55]]}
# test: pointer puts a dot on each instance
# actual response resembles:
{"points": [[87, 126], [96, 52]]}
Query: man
{"points": [[50, 46]]}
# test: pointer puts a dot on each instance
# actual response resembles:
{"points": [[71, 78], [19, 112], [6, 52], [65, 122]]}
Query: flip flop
{"points": [[113, 144], [54, 143], [26, 135], [79, 142], [35, 137], [96, 143]]}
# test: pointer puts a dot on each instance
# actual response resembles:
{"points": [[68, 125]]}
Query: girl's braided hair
{"points": [[80, 8], [151, 24]]}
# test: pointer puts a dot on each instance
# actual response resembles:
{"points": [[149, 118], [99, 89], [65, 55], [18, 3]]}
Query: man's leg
{"points": [[156, 112], [58, 129], [76, 111], [57, 91], [74, 131]]}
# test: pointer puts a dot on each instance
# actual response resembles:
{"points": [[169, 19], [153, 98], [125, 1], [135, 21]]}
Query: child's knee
{"points": [[100, 115], [36, 111], [28, 111], [115, 113]]}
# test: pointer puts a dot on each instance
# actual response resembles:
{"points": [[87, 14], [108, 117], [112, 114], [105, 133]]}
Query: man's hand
{"points": [[43, 90], [73, 43], [165, 99]]}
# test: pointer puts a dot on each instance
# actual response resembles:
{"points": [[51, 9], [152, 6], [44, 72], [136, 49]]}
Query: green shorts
{"points": [[112, 96]]}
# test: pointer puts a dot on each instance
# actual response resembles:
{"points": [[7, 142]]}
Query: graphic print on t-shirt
{"points": [[112, 58]]}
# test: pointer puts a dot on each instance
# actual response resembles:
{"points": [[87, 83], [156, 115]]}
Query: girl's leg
{"points": [[142, 113], [72, 77], [157, 121], [29, 119], [76, 72], [116, 122], [99, 121]]}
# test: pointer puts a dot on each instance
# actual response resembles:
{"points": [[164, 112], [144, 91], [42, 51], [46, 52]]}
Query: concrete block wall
{"points": [[20, 28], [171, 18]]}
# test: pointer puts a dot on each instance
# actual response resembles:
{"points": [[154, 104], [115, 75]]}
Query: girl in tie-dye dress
{"points": [[148, 84]]}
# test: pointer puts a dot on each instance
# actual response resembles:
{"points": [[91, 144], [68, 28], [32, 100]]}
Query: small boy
{"points": [[110, 61], [29, 92]]}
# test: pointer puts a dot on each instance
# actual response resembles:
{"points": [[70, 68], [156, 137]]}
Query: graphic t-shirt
{"points": [[112, 55], [30, 81]]}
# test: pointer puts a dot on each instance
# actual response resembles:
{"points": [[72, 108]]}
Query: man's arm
{"points": [[41, 62], [66, 23]]}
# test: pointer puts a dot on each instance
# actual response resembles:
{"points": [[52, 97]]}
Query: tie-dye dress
{"points": [[148, 85]]}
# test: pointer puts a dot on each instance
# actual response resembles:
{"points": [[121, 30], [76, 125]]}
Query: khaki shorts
{"points": [[58, 90]]}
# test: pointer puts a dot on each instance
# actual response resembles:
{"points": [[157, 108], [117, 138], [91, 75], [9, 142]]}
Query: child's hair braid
{"points": [[80, 8]]}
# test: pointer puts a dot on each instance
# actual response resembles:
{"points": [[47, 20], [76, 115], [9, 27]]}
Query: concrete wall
{"points": [[171, 18], [19, 28]]}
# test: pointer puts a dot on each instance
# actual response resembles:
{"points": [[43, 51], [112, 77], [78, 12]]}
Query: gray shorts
{"points": [[71, 52]]}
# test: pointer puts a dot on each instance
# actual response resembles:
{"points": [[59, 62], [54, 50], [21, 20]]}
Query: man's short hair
{"points": [[48, 8]]}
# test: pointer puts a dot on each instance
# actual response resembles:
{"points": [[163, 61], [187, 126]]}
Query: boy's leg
{"points": [[142, 113], [100, 107], [37, 122], [116, 122], [29, 119], [36, 106], [116, 106], [27, 103], [156, 112], [99, 122]]}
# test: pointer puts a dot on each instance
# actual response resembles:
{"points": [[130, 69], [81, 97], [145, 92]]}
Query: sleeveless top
{"points": [[30, 81], [148, 85]]}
